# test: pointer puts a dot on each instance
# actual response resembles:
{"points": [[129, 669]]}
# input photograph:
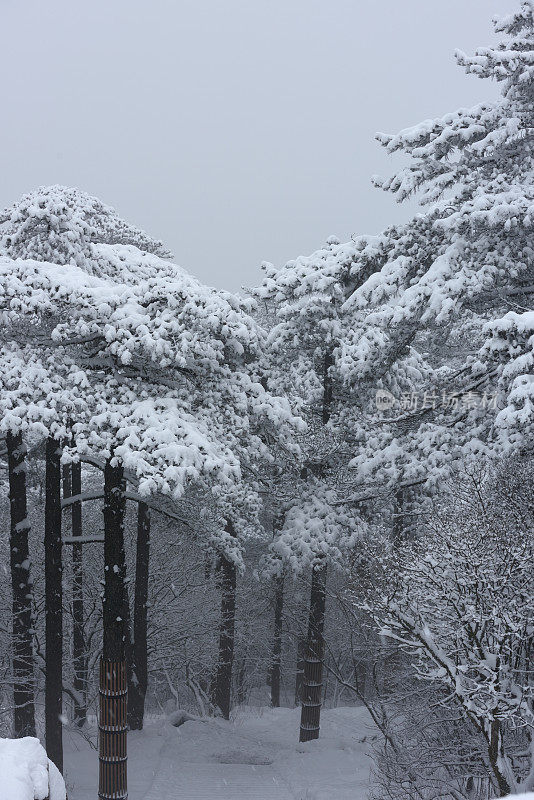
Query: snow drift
{"points": [[27, 773]]}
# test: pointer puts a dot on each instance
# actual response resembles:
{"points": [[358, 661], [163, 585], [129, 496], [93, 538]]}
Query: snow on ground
{"points": [[256, 756]]}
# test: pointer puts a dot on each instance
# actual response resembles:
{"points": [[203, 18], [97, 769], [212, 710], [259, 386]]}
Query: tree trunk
{"points": [[494, 744], [299, 675], [277, 642], [399, 531], [139, 681], [312, 685], [113, 684], [23, 674], [128, 643], [223, 679], [79, 655], [327, 386], [53, 606]]}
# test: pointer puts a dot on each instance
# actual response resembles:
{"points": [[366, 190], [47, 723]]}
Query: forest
{"points": [[313, 496]]}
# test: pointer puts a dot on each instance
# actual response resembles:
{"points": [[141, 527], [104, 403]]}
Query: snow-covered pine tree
{"points": [[160, 371], [443, 283], [304, 298], [63, 225], [444, 280]]}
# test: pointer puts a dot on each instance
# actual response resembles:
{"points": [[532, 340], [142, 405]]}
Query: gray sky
{"points": [[235, 130]]}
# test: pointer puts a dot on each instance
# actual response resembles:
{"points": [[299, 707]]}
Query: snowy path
{"points": [[221, 781], [255, 757], [214, 759]]}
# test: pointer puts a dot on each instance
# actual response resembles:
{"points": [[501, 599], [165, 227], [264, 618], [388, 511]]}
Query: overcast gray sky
{"points": [[235, 130]]}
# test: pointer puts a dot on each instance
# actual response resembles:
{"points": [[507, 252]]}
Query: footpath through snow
{"points": [[254, 757]]}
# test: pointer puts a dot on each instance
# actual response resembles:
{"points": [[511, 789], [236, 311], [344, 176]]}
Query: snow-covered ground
{"points": [[254, 757]]}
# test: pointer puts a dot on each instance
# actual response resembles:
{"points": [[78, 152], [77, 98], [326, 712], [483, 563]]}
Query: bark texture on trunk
{"points": [[114, 562], [79, 655], [327, 386], [276, 661], [299, 675], [139, 671], [223, 679], [53, 605], [312, 685], [23, 668], [494, 750], [399, 521], [113, 684]]}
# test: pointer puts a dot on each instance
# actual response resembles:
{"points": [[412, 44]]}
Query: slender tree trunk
{"points": [[391, 661], [327, 386], [53, 605], [299, 675], [138, 686], [360, 676], [128, 643], [23, 673], [494, 754], [79, 655], [113, 683], [399, 521], [312, 686], [72, 486], [240, 681], [277, 642], [223, 679]]}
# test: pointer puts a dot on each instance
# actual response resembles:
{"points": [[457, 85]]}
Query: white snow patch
{"points": [[26, 772]]}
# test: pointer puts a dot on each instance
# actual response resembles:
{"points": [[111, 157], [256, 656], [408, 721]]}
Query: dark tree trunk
{"points": [[223, 679], [327, 386], [114, 563], [240, 681], [139, 679], [23, 674], [277, 642], [79, 655], [391, 660], [299, 675], [128, 643], [312, 686], [113, 684], [360, 676], [72, 486], [399, 523], [53, 605]]}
